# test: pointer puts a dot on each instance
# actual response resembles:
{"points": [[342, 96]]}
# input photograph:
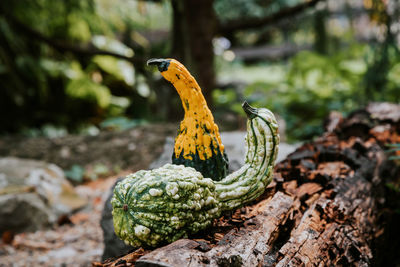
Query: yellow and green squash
{"points": [[155, 207], [198, 143]]}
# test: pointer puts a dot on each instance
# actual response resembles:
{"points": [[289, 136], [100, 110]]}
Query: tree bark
{"points": [[194, 26], [325, 207]]}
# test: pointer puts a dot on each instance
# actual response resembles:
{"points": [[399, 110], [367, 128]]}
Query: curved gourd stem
{"points": [[249, 182]]}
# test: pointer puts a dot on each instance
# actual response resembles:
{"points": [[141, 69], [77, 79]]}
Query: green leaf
{"points": [[113, 45], [120, 123], [224, 96], [394, 74], [78, 28], [75, 173], [101, 169], [88, 90], [120, 69], [98, 170], [354, 66]]}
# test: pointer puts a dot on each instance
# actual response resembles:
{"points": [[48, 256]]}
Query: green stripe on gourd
{"points": [[162, 205], [198, 143]]}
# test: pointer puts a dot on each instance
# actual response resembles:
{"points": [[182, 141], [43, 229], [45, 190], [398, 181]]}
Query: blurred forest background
{"points": [[75, 91], [78, 66]]}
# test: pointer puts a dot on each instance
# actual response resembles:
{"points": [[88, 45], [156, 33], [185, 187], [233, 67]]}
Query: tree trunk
{"points": [[327, 206], [194, 26], [321, 35]]}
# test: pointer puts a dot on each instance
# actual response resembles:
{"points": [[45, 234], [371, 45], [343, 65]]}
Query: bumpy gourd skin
{"points": [[198, 143], [162, 205]]}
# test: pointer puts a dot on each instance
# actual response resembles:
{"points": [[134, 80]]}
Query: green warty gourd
{"points": [[160, 206]]}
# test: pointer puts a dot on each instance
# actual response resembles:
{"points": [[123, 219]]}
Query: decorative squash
{"points": [[162, 205], [198, 143]]}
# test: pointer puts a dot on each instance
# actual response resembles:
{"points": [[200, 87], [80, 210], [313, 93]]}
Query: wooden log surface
{"points": [[324, 207]]}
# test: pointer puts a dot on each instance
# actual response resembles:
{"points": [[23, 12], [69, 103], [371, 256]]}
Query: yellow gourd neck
{"points": [[198, 132]]}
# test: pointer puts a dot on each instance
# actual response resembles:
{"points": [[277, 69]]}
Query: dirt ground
{"points": [[76, 241], [131, 149]]}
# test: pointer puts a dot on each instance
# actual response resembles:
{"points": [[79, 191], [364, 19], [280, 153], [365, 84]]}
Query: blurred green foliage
{"points": [[43, 83], [120, 123], [306, 89], [238, 9], [75, 173], [78, 174], [52, 83], [338, 74]]}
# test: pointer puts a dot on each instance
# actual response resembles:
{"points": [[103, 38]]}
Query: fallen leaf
{"points": [[79, 217], [290, 187], [7, 237], [307, 188]]}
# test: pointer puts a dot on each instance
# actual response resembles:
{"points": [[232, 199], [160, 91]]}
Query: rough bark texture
{"points": [[194, 26], [326, 206]]}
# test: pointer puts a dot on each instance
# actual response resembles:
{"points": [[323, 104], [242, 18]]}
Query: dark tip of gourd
{"points": [[161, 63], [250, 111], [125, 207]]}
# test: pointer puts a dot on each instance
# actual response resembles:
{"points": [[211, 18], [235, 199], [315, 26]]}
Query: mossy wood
{"points": [[198, 143], [162, 205]]}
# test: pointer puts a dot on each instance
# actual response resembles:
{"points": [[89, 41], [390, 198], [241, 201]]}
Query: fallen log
{"points": [[325, 207]]}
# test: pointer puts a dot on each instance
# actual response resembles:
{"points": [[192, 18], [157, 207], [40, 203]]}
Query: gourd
{"points": [[198, 143], [162, 205]]}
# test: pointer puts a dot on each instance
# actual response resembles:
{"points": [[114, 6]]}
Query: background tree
{"points": [[76, 63]]}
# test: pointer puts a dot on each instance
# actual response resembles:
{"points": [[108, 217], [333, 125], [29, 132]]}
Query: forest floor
{"points": [[131, 149], [76, 240]]}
